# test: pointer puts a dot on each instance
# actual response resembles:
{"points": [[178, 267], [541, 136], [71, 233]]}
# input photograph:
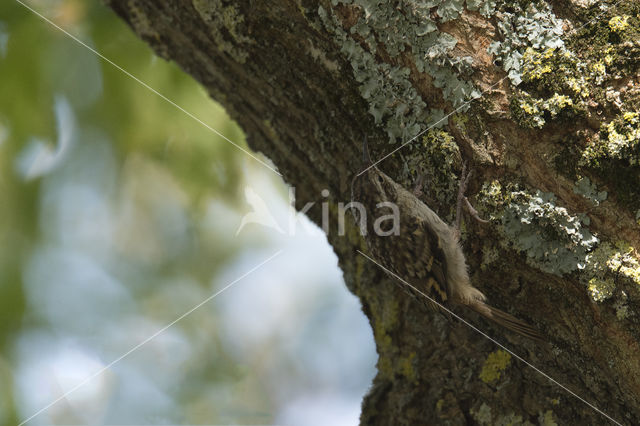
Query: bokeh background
{"points": [[118, 214]]}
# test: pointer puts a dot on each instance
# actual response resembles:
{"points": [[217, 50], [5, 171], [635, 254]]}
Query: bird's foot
{"points": [[463, 200]]}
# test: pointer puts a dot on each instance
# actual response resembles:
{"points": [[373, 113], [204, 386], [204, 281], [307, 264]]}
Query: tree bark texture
{"points": [[551, 134]]}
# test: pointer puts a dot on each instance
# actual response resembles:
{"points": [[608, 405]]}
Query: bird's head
{"points": [[372, 186]]}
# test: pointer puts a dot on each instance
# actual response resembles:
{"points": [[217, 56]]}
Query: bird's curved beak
{"points": [[366, 159]]}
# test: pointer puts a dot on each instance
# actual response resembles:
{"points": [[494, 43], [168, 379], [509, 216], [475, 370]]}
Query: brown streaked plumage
{"points": [[425, 251]]}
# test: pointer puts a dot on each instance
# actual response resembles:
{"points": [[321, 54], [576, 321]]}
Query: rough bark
{"points": [[291, 73]]}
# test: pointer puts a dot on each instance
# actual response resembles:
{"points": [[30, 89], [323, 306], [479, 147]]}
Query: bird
{"points": [[424, 251]]}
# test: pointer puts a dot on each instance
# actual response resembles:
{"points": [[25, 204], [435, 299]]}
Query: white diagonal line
{"points": [[146, 86], [471, 100], [428, 128], [148, 339], [494, 341]]}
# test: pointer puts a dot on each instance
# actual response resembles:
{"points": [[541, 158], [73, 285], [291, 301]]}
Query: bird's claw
{"points": [[463, 200]]}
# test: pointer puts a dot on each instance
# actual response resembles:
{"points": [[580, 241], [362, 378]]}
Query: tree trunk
{"points": [[551, 133]]}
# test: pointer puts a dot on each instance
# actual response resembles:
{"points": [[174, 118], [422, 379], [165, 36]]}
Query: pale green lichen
{"points": [[619, 140], [558, 242], [619, 23], [622, 312], [489, 255], [554, 240], [385, 367], [492, 198], [387, 320], [391, 97], [270, 130], [512, 419], [224, 19], [621, 306], [482, 415], [486, 7], [557, 103], [406, 367], [434, 157], [598, 70], [547, 419], [535, 26], [583, 186], [320, 56], [528, 112], [531, 112], [407, 28], [613, 156], [611, 41], [606, 263], [494, 366], [389, 362], [534, 63], [560, 73], [601, 289], [625, 262], [453, 8], [391, 314], [557, 83], [555, 70]]}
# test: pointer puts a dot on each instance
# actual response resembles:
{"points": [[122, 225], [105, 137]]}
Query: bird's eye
{"points": [[380, 180]]}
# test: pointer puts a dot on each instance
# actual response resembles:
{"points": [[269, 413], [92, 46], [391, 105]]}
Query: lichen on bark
{"points": [[306, 80]]}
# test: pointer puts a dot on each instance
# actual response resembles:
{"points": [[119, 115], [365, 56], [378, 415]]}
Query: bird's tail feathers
{"points": [[506, 320]]}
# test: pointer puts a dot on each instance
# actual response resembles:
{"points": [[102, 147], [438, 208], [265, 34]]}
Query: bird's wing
{"points": [[430, 264]]}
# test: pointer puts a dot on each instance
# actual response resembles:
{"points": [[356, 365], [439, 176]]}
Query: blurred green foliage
{"points": [[40, 64]]}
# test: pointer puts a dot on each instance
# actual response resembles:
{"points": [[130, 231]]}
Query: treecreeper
{"points": [[424, 251]]}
